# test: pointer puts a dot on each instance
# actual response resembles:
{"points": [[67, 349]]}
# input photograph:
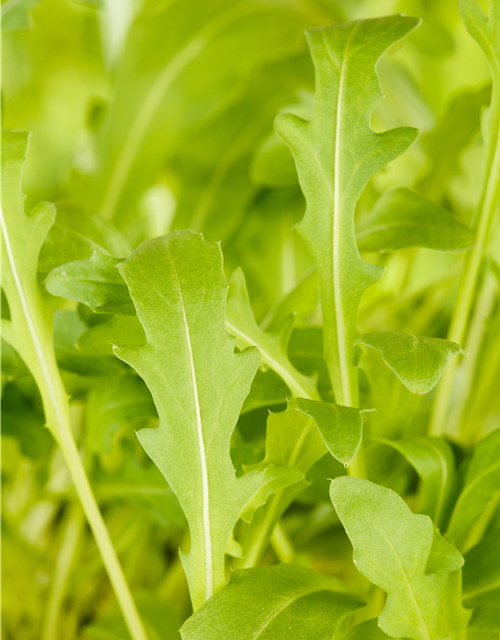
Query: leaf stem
{"points": [[65, 558], [473, 261]]}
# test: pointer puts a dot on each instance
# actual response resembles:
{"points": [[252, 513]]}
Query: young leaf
{"points": [[270, 602], [403, 218], [482, 484], [17, 14], [340, 427], [433, 460], [272, 346], [95, 282], [336, 153], [391, 548], [417, 361], [198, 385]]}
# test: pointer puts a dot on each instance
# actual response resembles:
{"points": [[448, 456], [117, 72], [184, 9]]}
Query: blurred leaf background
{"points": [[158, 115]]}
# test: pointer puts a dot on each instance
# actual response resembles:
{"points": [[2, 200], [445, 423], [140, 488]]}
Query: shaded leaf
{"points": [[403, 218], [99, 340], [433, 460]]}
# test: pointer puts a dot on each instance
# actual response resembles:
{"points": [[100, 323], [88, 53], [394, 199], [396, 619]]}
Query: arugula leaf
{"points": [[198, 384], [417, 361], [482, 484], [340, 427], [106, 293], [292, 441], [391, 548], [403, 218], [273, 346], [269, 602], [433, 460], [336, 154]]}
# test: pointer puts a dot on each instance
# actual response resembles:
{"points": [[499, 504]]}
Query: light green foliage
{"points": [[336, 153], [481, 486], [368, 630], [340, 427], [392, 547], [433, 460], [403, 218], [99, 340], [272, 346], [417, 361], [179, 290], [96, 282], [269, 602]]}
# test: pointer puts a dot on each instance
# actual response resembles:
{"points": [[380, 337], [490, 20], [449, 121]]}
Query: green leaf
{"points": [[273, 346], [67, 330], [95, 282], [391, 548], [198, 385], [433, 460], [403, 218], [76, 234], [292, 441], [269, 602], [417, 361], [482, 484], [340, 427], [443, 556], [481, 575], [336, 154]]}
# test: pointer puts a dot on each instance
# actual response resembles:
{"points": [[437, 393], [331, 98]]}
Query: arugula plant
{"points": [[281, 434]]}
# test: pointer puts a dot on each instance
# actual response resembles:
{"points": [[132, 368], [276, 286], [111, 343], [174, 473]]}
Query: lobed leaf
{"points": [[336, 154], [198, 385], [392, 547]]}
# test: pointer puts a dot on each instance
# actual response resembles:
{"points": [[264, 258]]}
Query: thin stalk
{"points": [[34, 343], [64, 562], [473, 261], [282, 545]]}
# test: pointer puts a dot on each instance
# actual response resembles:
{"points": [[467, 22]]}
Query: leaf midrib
{"points": [[207, 534]]}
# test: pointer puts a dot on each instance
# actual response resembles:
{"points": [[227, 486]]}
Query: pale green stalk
{"points": [[65, 558]]}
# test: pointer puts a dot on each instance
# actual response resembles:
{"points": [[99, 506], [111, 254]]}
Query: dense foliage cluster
{"points": [[250, 320]]}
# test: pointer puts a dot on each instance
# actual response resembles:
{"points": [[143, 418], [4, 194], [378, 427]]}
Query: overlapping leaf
{"points": [[336, 154]]}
